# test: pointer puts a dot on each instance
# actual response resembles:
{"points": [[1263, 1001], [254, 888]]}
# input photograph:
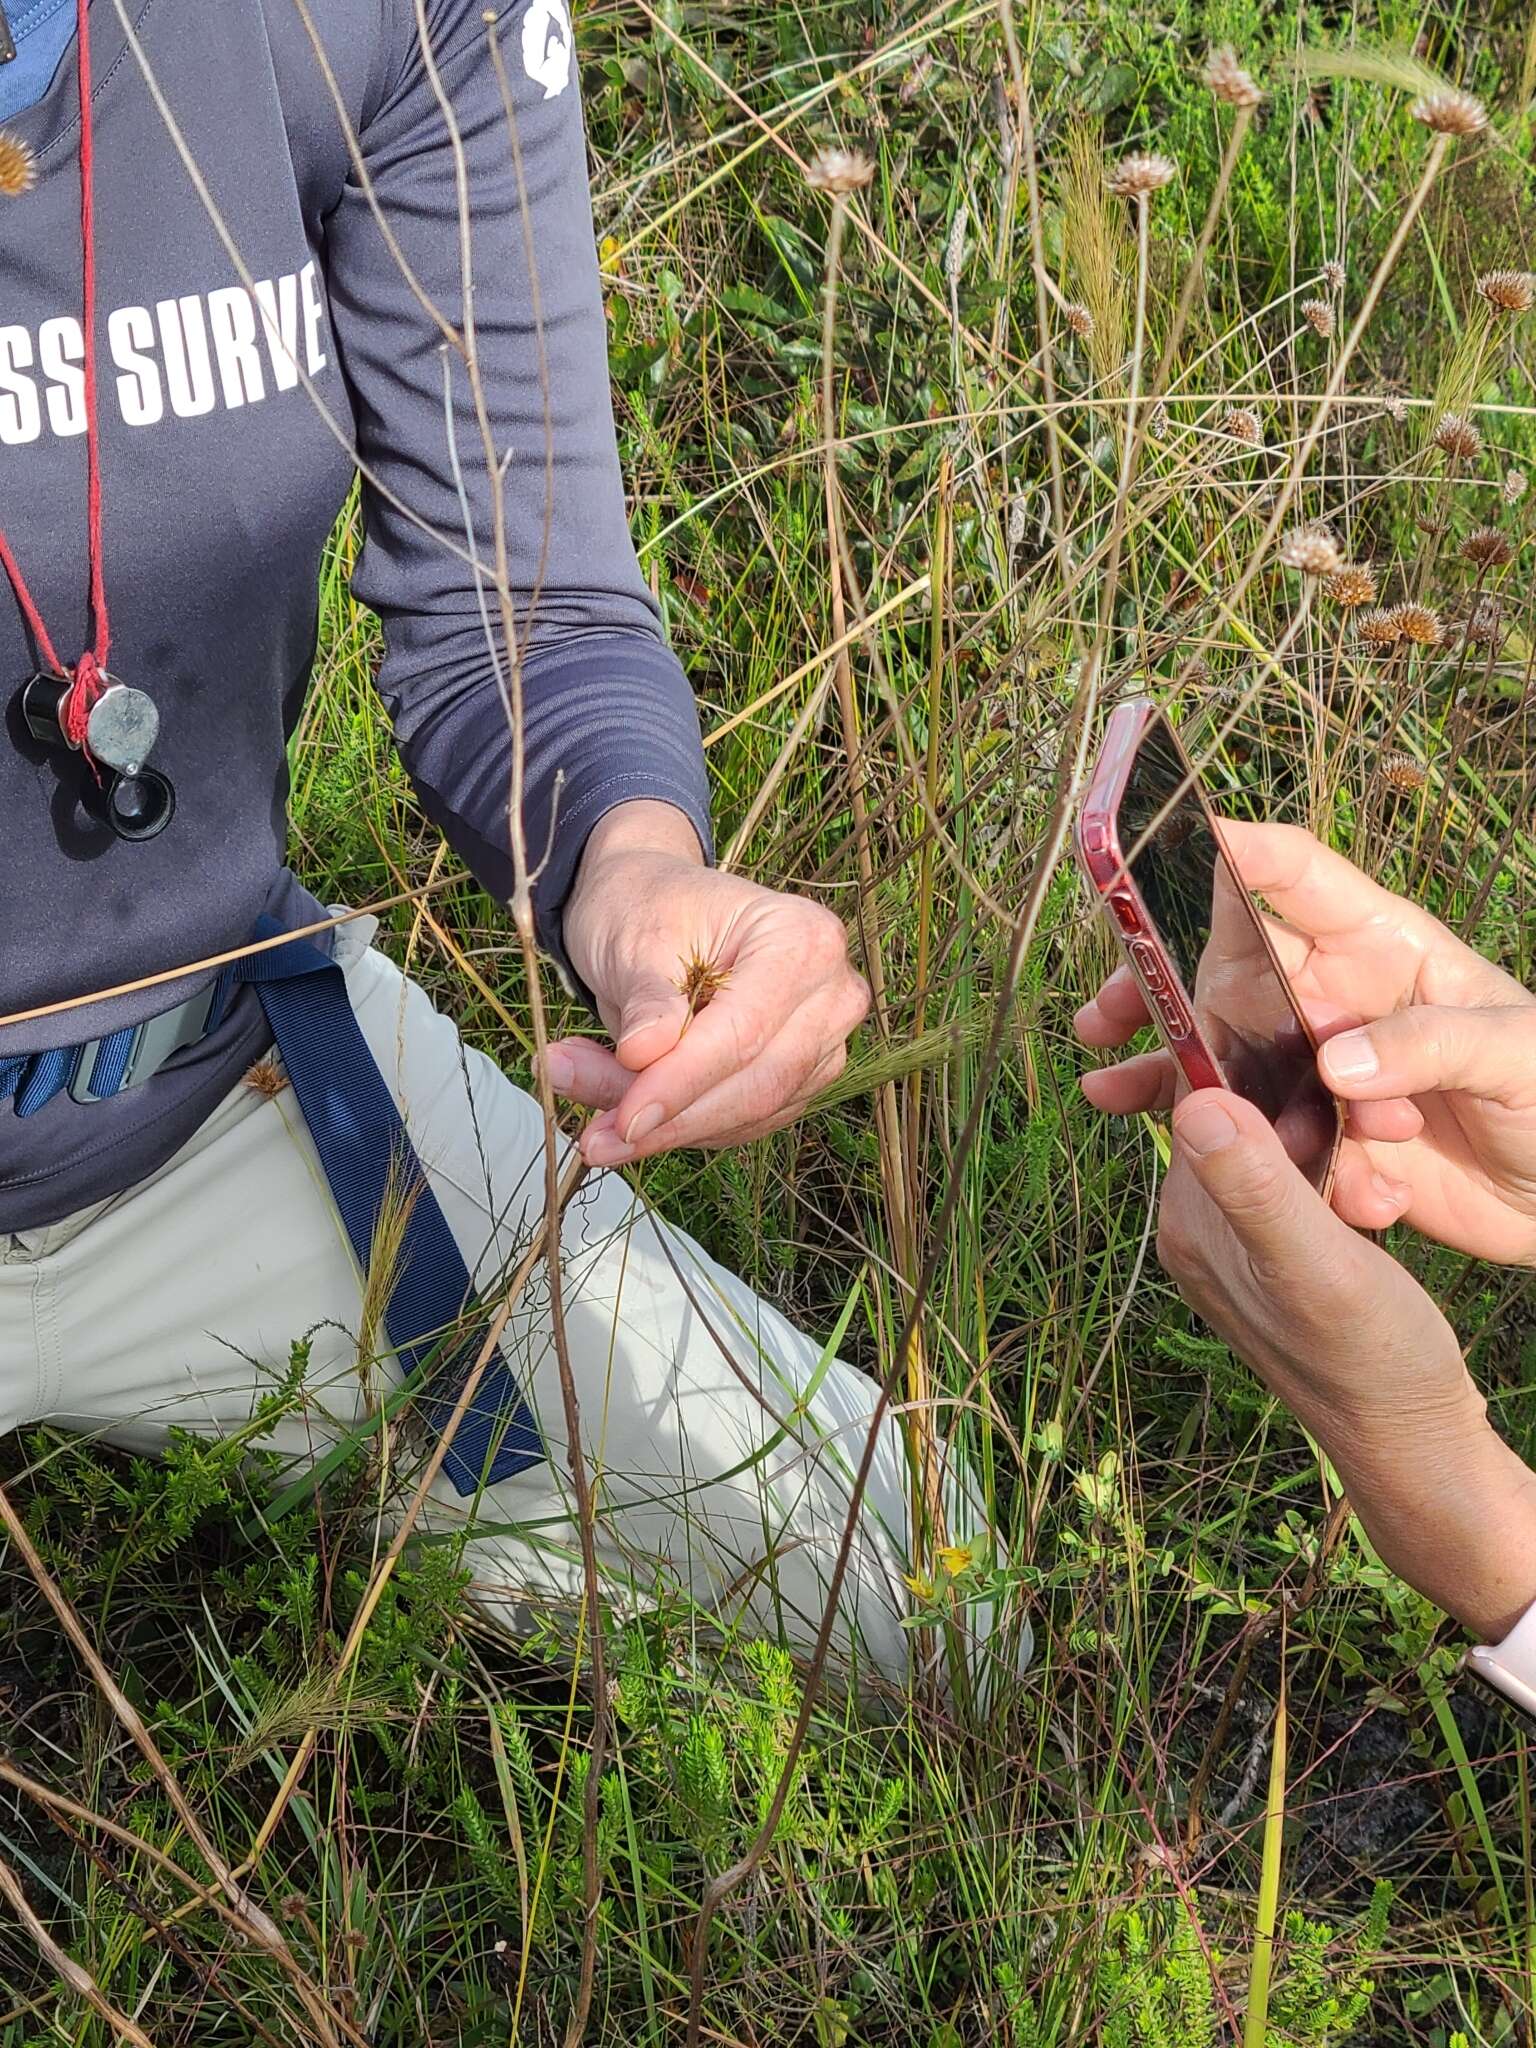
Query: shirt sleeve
{"points": [[608, 714]]}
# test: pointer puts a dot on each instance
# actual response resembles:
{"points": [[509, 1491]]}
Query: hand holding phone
{"points": [[1152, 852]]}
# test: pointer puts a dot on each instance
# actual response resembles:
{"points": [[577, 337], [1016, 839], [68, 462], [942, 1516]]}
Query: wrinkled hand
{"points": [[771, 1035], [1356, 1349], [1440, 1084]]}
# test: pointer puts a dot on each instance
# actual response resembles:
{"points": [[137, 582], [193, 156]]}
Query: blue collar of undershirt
{"points": [[43, 30]]}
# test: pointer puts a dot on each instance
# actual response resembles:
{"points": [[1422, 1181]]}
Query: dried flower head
{"points": [[1157, 421], [1451, 113], [1458, 437], [1482, 627], [1378, 628], [18, 166], [1318, 315], [1312, 550], [1242, 423], [1079, 319], [1487, 548], [1507, 291], [1395, 407], [1228, 80], [954, 248], [1334, 277], [1402, 772], [839, 171], [1353, 586], [1194, 673], [1140, 175], [700, 982], [267, 1078], [1416, 622], [1515, 485]]}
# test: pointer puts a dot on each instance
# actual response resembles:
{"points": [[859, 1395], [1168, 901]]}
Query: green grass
{"points": [[1091, 1861]]}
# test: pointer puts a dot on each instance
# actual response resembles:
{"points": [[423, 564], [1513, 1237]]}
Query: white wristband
{"points": [[1510, 1667]]}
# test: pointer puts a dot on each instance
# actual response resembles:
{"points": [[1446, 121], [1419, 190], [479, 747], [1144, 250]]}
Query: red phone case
{"points": [[1102, 859]]}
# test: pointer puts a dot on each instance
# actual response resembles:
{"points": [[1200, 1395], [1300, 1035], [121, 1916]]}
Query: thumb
{"points": [[653, 1015], [1489, 1052], [1236, 1155]]}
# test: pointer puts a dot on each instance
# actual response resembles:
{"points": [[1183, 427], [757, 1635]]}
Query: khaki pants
{"points": [[720, 1441]]}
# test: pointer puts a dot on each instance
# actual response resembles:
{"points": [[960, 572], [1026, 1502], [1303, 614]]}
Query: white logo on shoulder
{"points": [[547, 45]]}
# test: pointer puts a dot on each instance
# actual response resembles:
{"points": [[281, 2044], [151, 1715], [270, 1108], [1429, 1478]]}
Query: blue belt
{"points": [[368, 1159]]}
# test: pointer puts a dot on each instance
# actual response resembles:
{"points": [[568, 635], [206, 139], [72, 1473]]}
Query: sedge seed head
{"points": [[1417, 623], [839, 171], [1227, 79], [1141, 174], [1451, 113], [1514, 487], [1400, 771], [1158, 421], [1395, 407], [1378, 627], [1353, 586], [1507, 291], [1312, 551], [1242, 423], [1458, 437], [1334, 277], [1318, 315], [18, 166], [1194, 673], [700, 982], [1487, 548], [266, 1079], [1079, 319]]}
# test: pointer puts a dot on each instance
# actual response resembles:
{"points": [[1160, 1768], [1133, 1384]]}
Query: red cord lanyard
{"points": [[88, 679]]}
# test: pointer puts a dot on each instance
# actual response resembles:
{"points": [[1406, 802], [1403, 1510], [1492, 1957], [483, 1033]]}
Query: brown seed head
{"points": [[1482, 627], [1352, 587], [1312, 550], [839, 171], [1194, 673], [1333, 276], [1401, 772], [1507, 291], [266, 1079], [1378, 628], [1242, 423], [700, 982], [18, 166], [1416, 622], [1451, 113], [1318, 315], [1079, 319], [1228, 80], [1458, 437], [1487, 548], [1140, 175]]}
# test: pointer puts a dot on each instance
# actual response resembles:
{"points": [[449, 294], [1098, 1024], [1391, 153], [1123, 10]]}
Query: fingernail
{"points": [[559, 1070], [1393, 1191], [606, 1148], [644, 1122], [1205, 1127], [1351, 1056]]}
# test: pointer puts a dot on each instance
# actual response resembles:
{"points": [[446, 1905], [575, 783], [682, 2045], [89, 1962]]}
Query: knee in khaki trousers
{"points": [[720, 1442]]}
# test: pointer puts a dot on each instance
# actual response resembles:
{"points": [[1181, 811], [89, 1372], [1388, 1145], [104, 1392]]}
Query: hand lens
{"points": [[134, 801]]}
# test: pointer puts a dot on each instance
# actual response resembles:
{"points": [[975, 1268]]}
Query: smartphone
{"points": [[1152, 852]]}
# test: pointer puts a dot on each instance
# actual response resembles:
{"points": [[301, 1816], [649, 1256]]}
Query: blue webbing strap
{"points": [[368, 1157]]}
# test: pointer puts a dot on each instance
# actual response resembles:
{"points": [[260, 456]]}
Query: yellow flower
{"points": [[916, 1583], [955, 1558]]}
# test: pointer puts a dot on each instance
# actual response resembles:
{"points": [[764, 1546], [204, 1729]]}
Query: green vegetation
{"points": [[1080, 1863]]}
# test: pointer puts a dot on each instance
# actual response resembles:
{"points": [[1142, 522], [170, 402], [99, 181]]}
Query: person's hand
{"points": [[1440, 1084], [1356, 1349], [742, 1056]]}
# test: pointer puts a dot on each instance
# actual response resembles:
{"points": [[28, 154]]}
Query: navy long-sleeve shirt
{"points": [[223, 478]]}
